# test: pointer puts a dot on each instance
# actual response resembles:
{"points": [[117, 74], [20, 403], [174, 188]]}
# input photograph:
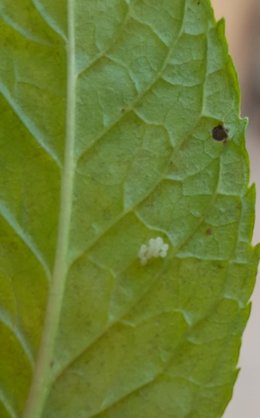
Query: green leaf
{"points": [[106, 137]]}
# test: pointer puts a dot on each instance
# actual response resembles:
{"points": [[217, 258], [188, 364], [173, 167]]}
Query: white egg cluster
{"points": [[156, 247]]}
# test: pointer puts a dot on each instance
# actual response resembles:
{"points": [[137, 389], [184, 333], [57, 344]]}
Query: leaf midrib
{"points": [[41, 380]]}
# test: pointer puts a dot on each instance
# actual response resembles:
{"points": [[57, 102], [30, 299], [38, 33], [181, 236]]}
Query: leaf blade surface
{"points": [[115, 102]]}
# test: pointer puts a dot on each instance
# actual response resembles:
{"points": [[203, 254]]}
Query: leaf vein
{"points": [[29, 125], [105, 331], [23, 32], [108, 48], [7, 405], [139, 97], [48, 20], [9, 219], [20, 336], [185, 336]]}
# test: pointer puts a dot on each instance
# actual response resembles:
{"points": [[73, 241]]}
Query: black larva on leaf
{"points": [[220, 133]]}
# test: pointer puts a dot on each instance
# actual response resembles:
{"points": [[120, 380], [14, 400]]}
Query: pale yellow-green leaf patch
{"points": [[126, 264]]}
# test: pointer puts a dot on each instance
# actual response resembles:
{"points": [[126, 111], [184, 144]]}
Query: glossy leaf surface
{"points": [[108, 110]]}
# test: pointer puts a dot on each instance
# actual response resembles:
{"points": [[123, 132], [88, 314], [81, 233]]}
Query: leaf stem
{"points": [[42, 376]]}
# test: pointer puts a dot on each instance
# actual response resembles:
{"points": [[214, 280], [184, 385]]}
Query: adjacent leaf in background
{"points": [[107, 112]]}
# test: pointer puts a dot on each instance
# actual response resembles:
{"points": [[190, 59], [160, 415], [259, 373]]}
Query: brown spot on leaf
{"points": [[220, 133]]}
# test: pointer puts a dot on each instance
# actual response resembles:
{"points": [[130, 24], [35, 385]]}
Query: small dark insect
{"points": [[220, 133]]}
